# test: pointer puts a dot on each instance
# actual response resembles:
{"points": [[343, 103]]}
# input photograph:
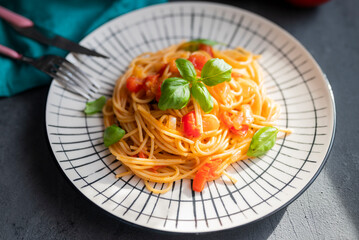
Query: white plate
{"points": [[265, 185]]}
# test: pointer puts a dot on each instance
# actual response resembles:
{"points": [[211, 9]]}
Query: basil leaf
{"points": [[95, 106], [175, 94], [186, 69], [112, 135], [202, 96], [205, 41], [263, 140], [193, 45], [216, 71]]}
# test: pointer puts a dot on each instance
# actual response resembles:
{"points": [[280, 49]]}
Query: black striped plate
{"points": [[266, 184]]}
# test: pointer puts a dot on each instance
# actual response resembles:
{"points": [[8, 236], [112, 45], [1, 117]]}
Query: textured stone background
{"points": [[36, 201]]}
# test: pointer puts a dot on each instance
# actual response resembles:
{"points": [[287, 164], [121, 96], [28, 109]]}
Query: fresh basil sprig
{"points": [[205, 41], [176, 92], [202, 96], [186, 69], [216, 71], [95, 106], [112, 135], [263, 140], [193, 45]]}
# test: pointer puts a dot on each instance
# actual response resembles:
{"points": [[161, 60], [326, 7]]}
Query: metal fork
{"points": [[58, 68]]}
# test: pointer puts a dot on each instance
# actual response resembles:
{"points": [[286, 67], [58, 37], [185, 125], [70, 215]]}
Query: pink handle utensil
{"points": [[14, 18], [10, 53]]}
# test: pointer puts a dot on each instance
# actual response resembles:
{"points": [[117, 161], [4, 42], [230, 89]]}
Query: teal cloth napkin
{"points": [[72, 19]]}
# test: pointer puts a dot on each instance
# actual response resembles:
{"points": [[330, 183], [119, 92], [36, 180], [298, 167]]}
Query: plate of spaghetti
{"points": [[209, 117]]}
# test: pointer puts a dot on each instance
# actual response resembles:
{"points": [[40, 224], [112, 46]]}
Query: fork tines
{"points": [[73, 78]]}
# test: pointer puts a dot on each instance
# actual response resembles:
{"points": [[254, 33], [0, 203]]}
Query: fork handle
{"points": [[8, 52], [14, 18]]}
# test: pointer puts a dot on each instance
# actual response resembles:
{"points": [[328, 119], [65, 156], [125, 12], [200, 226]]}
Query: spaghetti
{"points": [[157, 146]]}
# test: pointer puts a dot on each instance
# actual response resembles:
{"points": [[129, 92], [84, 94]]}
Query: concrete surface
{"points": [[37, 202]]}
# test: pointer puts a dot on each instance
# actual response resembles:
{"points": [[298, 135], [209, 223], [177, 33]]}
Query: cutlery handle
{"points": [[8, 52], [14, 18]]}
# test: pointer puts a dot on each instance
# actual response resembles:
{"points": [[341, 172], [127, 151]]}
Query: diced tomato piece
{"points": [[142, 155], [213, 168], [159, 82], [199, 180], [241, 131], [206, 48], [158, 93], [173, 67], [237, 120], [198, 60], [150, 84], [234, 122], [205, 173], [227, 119], [134, 84], [155, 168], [190, 127]]}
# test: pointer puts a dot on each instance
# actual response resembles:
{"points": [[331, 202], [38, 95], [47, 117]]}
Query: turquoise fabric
{"points": [[72, 19]]}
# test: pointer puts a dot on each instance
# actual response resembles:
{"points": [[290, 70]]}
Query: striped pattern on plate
{"points": [[265, 184]]}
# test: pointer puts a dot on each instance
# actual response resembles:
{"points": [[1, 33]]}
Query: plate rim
{"points": [[290, 201]]}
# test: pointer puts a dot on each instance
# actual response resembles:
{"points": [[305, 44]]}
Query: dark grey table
{"points": [[37, 202]]}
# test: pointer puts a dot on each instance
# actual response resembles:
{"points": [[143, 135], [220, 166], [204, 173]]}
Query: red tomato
{"points": [[160, 72], [307, 3], [158, 93], [173, 67], [142, 155], [228, 118], [234, 123], [155, 168], [198, 60], [199, 180], [134, 84], [241, 131], [214, 164], [190, 128], [206, 48], [205, 173], [150, 84]]}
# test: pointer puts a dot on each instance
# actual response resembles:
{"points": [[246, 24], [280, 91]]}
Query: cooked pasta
{"points": [[156, 147]]}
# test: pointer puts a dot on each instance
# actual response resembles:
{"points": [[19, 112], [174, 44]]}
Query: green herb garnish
{"points": [[95, 106], [186, 69], [113, 134], [202, 96], [205, 42], [176, 92], [263, 140], [193, 45], [216, 71]]}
